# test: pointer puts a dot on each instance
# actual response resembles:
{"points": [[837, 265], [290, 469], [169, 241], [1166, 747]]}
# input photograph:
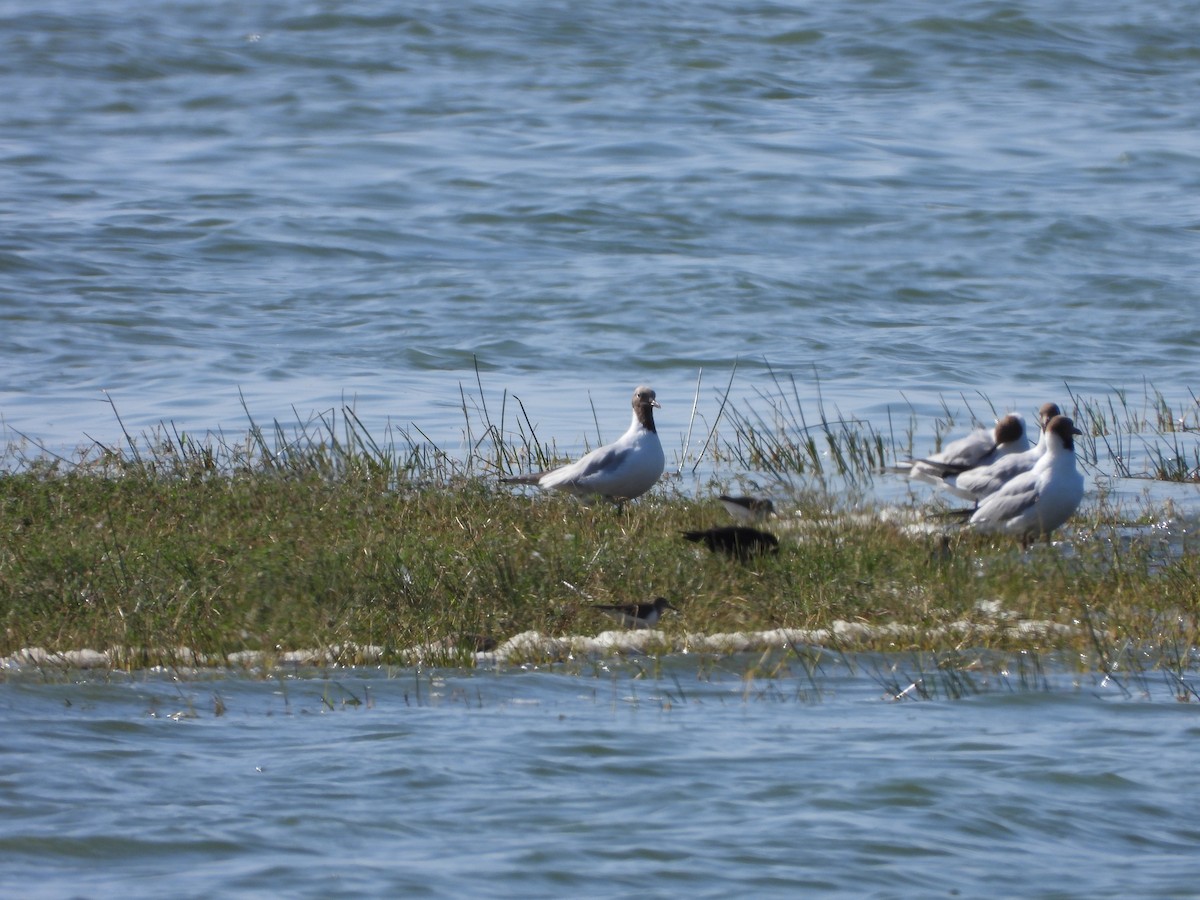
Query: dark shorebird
{"points": [[638, 615], [747, 509], [622, 470], [737, 541]]}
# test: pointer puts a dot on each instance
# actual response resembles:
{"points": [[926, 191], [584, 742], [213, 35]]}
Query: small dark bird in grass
{"points": [[736, 541], [638, 615], [747, 509]]}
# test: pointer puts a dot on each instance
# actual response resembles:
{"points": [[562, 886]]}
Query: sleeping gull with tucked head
{"points": [[979, 448], [980, 481], [622, 470]]}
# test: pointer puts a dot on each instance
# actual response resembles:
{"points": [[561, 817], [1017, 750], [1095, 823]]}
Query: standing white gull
{"points": [[1038, 501], [980, 481], [979, 448], [622, 470]]}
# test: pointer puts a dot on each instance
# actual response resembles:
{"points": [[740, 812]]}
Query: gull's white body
{"points": [[622, 470], [1036, 502]]}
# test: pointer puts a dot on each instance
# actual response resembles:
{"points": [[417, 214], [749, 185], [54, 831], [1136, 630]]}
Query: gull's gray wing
{"points": [[602, 459], [1017, 498], [986, 480], [600, 463]]}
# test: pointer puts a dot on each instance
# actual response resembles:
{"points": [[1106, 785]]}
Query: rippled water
{"points": [[310, 204], [604, 784], [316, 204]]}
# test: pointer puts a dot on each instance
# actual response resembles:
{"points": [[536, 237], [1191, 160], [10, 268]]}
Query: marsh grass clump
{"points": [[1123, 436], [784, 444], [1145, 438]]}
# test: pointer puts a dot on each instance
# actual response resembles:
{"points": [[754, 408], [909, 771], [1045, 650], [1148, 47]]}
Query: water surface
{"points": [[308, 206], [372, 783]]}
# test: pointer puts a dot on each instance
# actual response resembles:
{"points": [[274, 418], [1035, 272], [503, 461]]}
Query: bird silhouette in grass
{"points": [[637, 615], [736, 541], [746, 508]]}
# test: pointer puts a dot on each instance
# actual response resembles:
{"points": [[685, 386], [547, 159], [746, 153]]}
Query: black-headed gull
{"points": [[979, 448], [737, 541], [748, 509], [980, 481], [1047, 412], [622, 470], [1038, 501], [638, 615]]}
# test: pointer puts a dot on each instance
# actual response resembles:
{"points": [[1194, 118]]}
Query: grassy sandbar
{"points": [[174, 550]]}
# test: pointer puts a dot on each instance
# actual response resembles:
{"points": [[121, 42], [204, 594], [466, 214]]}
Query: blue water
{"points": [[368, 784], [310, 205], [299, 206]]}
